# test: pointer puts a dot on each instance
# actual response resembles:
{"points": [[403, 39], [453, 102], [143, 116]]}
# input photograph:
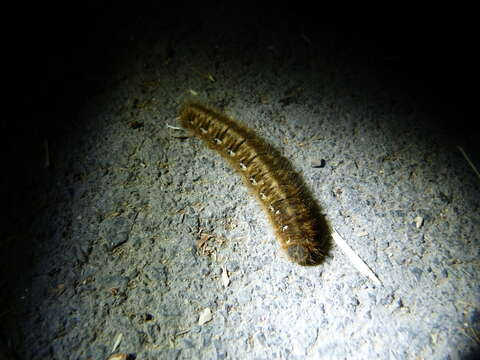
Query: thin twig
{"points": [[469, 161], [174, 127], [117, 342], [355, 259]]}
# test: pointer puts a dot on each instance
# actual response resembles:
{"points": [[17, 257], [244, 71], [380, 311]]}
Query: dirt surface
{"points": [[124, 235]]}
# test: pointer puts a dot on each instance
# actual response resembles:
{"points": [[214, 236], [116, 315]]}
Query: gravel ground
{"points": [[137, 239]]}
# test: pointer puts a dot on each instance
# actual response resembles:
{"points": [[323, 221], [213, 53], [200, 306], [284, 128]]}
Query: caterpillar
{"points": [[299, 226]]}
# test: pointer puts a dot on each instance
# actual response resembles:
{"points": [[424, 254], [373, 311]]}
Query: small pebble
{"points": [[205, 316], [418, 222], [317, 163]]}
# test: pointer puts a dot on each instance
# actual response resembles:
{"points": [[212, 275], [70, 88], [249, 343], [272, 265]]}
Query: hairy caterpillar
{"points": [[302, 231]]}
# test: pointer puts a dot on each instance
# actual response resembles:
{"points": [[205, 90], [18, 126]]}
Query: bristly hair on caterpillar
{"points": [[302, 230]]}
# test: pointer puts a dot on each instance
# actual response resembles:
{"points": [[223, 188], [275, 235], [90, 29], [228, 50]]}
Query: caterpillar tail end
{"points": [[305, 256]]}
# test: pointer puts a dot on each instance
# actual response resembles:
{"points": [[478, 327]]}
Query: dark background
{"points": [[60, 56], [57, 52]]}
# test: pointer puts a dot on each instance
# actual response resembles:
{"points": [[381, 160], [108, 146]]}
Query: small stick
{"points": [[179, 133], [174, 127], [182, 332], [355, 259], [117, 342], [469, 161]]}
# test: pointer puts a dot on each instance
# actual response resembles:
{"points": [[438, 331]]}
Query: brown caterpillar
{"points": [[302, 231]]}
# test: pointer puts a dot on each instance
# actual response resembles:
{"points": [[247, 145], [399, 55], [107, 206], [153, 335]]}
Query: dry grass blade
{"points": [[117, 342], [469, 161], [355, 259]]}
